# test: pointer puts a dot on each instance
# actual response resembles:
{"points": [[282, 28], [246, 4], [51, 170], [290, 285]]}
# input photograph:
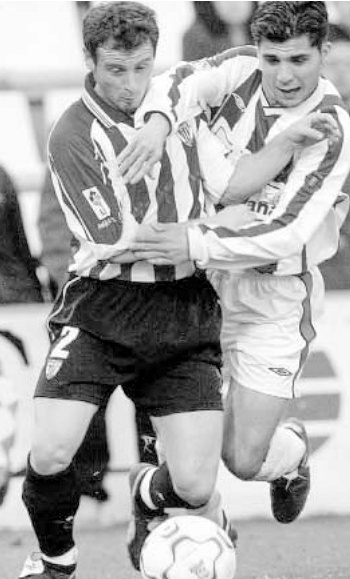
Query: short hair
{"points": [[279, 21], [128, 24]]}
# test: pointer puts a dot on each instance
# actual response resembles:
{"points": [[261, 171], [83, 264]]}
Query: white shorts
{"points": [[267, 327]]}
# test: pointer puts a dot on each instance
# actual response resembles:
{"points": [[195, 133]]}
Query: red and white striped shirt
{"points": [[296, 218], [102, 212]]}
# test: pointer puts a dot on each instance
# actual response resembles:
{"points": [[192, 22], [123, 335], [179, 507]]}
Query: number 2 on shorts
{"points": [[68, 335]]}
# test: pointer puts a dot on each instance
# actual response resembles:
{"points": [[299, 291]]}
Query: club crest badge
{"points": [[185, 133]]}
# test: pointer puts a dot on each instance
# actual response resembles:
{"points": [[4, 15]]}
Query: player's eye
{"points": [[299, 60]]}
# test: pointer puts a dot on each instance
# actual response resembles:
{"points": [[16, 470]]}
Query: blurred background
{"points": [[41, 73]]}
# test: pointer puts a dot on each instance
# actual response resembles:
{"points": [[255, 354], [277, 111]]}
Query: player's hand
{"points": [[126, 256], [313, 128], [144, 150], [162, 243]]}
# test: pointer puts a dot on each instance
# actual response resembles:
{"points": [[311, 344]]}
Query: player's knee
{"points": [[50, 458], [194, 486], [243, 461]]}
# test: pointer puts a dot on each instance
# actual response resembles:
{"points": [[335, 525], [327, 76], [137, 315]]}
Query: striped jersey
{"points": [[296, 218], [102, 212]]}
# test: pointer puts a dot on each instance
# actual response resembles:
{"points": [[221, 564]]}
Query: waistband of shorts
{"points": [[199, 275]]}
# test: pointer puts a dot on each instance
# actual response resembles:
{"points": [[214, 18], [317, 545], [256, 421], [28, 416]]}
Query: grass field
{"points": [[312, 548]]}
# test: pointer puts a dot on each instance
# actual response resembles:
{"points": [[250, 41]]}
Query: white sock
{"points": [[284, 456], [68, 558], [145, 488]]}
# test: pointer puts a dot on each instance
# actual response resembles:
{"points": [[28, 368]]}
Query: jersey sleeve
{"points": [[216, 169], [189, 88], [310, 193], [91, 193]]}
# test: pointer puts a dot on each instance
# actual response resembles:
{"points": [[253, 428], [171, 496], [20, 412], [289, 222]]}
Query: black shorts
{"points": [[160, 342]]}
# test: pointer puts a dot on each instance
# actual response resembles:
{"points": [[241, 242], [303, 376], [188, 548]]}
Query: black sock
{"points": [[52, 502], [162, 491]]}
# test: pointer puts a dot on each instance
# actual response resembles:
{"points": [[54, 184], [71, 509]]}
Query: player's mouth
{"points": [[130, 103], [289, 92]]}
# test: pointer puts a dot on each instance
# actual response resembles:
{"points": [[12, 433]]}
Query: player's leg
{"points": [[183, 396], [264, 363], [189, 422], [251, 419], [66, 398], [181, 470], [51, 492], [191, 443], [269, 449]]}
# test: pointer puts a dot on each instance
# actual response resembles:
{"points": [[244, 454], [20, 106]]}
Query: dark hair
{"points": [[279, 21], [128, 24]]}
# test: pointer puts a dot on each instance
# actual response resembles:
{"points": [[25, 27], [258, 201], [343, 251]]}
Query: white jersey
{"points": [[296, 219]]}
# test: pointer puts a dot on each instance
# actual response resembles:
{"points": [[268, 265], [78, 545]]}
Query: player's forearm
{"points": [[253, 172], [229, 248]]}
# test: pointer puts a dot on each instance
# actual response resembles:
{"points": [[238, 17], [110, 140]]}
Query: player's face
{"points": [[122, 76], [290, 70]]}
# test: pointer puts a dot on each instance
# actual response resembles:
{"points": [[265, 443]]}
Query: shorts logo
{"points": [[185, 133], [52, 368], [97, 203], [281, 371]]}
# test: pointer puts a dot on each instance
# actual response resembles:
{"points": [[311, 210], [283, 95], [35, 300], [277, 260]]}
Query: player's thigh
{"points": [[78, 377], [59, 427], [192, 442]]}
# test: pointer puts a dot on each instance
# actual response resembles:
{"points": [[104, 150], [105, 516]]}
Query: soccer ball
{"points": [[188, 547]]}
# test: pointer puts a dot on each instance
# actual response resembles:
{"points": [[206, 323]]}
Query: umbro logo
{"points": [[281, 371]]}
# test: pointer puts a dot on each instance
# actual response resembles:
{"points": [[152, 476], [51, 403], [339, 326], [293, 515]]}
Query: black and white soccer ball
{"points": [[188, 547]]}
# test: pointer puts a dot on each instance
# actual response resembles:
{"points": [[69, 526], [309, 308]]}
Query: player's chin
{"points": [[291, 99]]}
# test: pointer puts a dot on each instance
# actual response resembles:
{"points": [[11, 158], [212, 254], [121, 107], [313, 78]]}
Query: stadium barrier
{"points": [[325, 407]]}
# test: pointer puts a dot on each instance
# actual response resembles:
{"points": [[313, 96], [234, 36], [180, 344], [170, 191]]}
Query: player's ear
{"points": [[89, 61], [325, 48]]}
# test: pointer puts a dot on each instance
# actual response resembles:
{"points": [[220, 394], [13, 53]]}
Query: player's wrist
{"points": [[196, 246], [288, 143], [159, 121]]}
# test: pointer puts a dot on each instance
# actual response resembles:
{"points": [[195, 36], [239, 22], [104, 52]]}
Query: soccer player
{"points": [[265, 272], [154, 330]]}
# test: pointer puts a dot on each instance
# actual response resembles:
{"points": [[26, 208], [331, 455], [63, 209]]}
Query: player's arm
{"points": [[185, 90], [178, 95], [310, 193], [233, 181], [95, 208], [253, 172]]}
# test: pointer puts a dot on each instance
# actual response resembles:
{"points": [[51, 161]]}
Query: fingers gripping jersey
{"points": [[296, 219], [102, 212]]}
